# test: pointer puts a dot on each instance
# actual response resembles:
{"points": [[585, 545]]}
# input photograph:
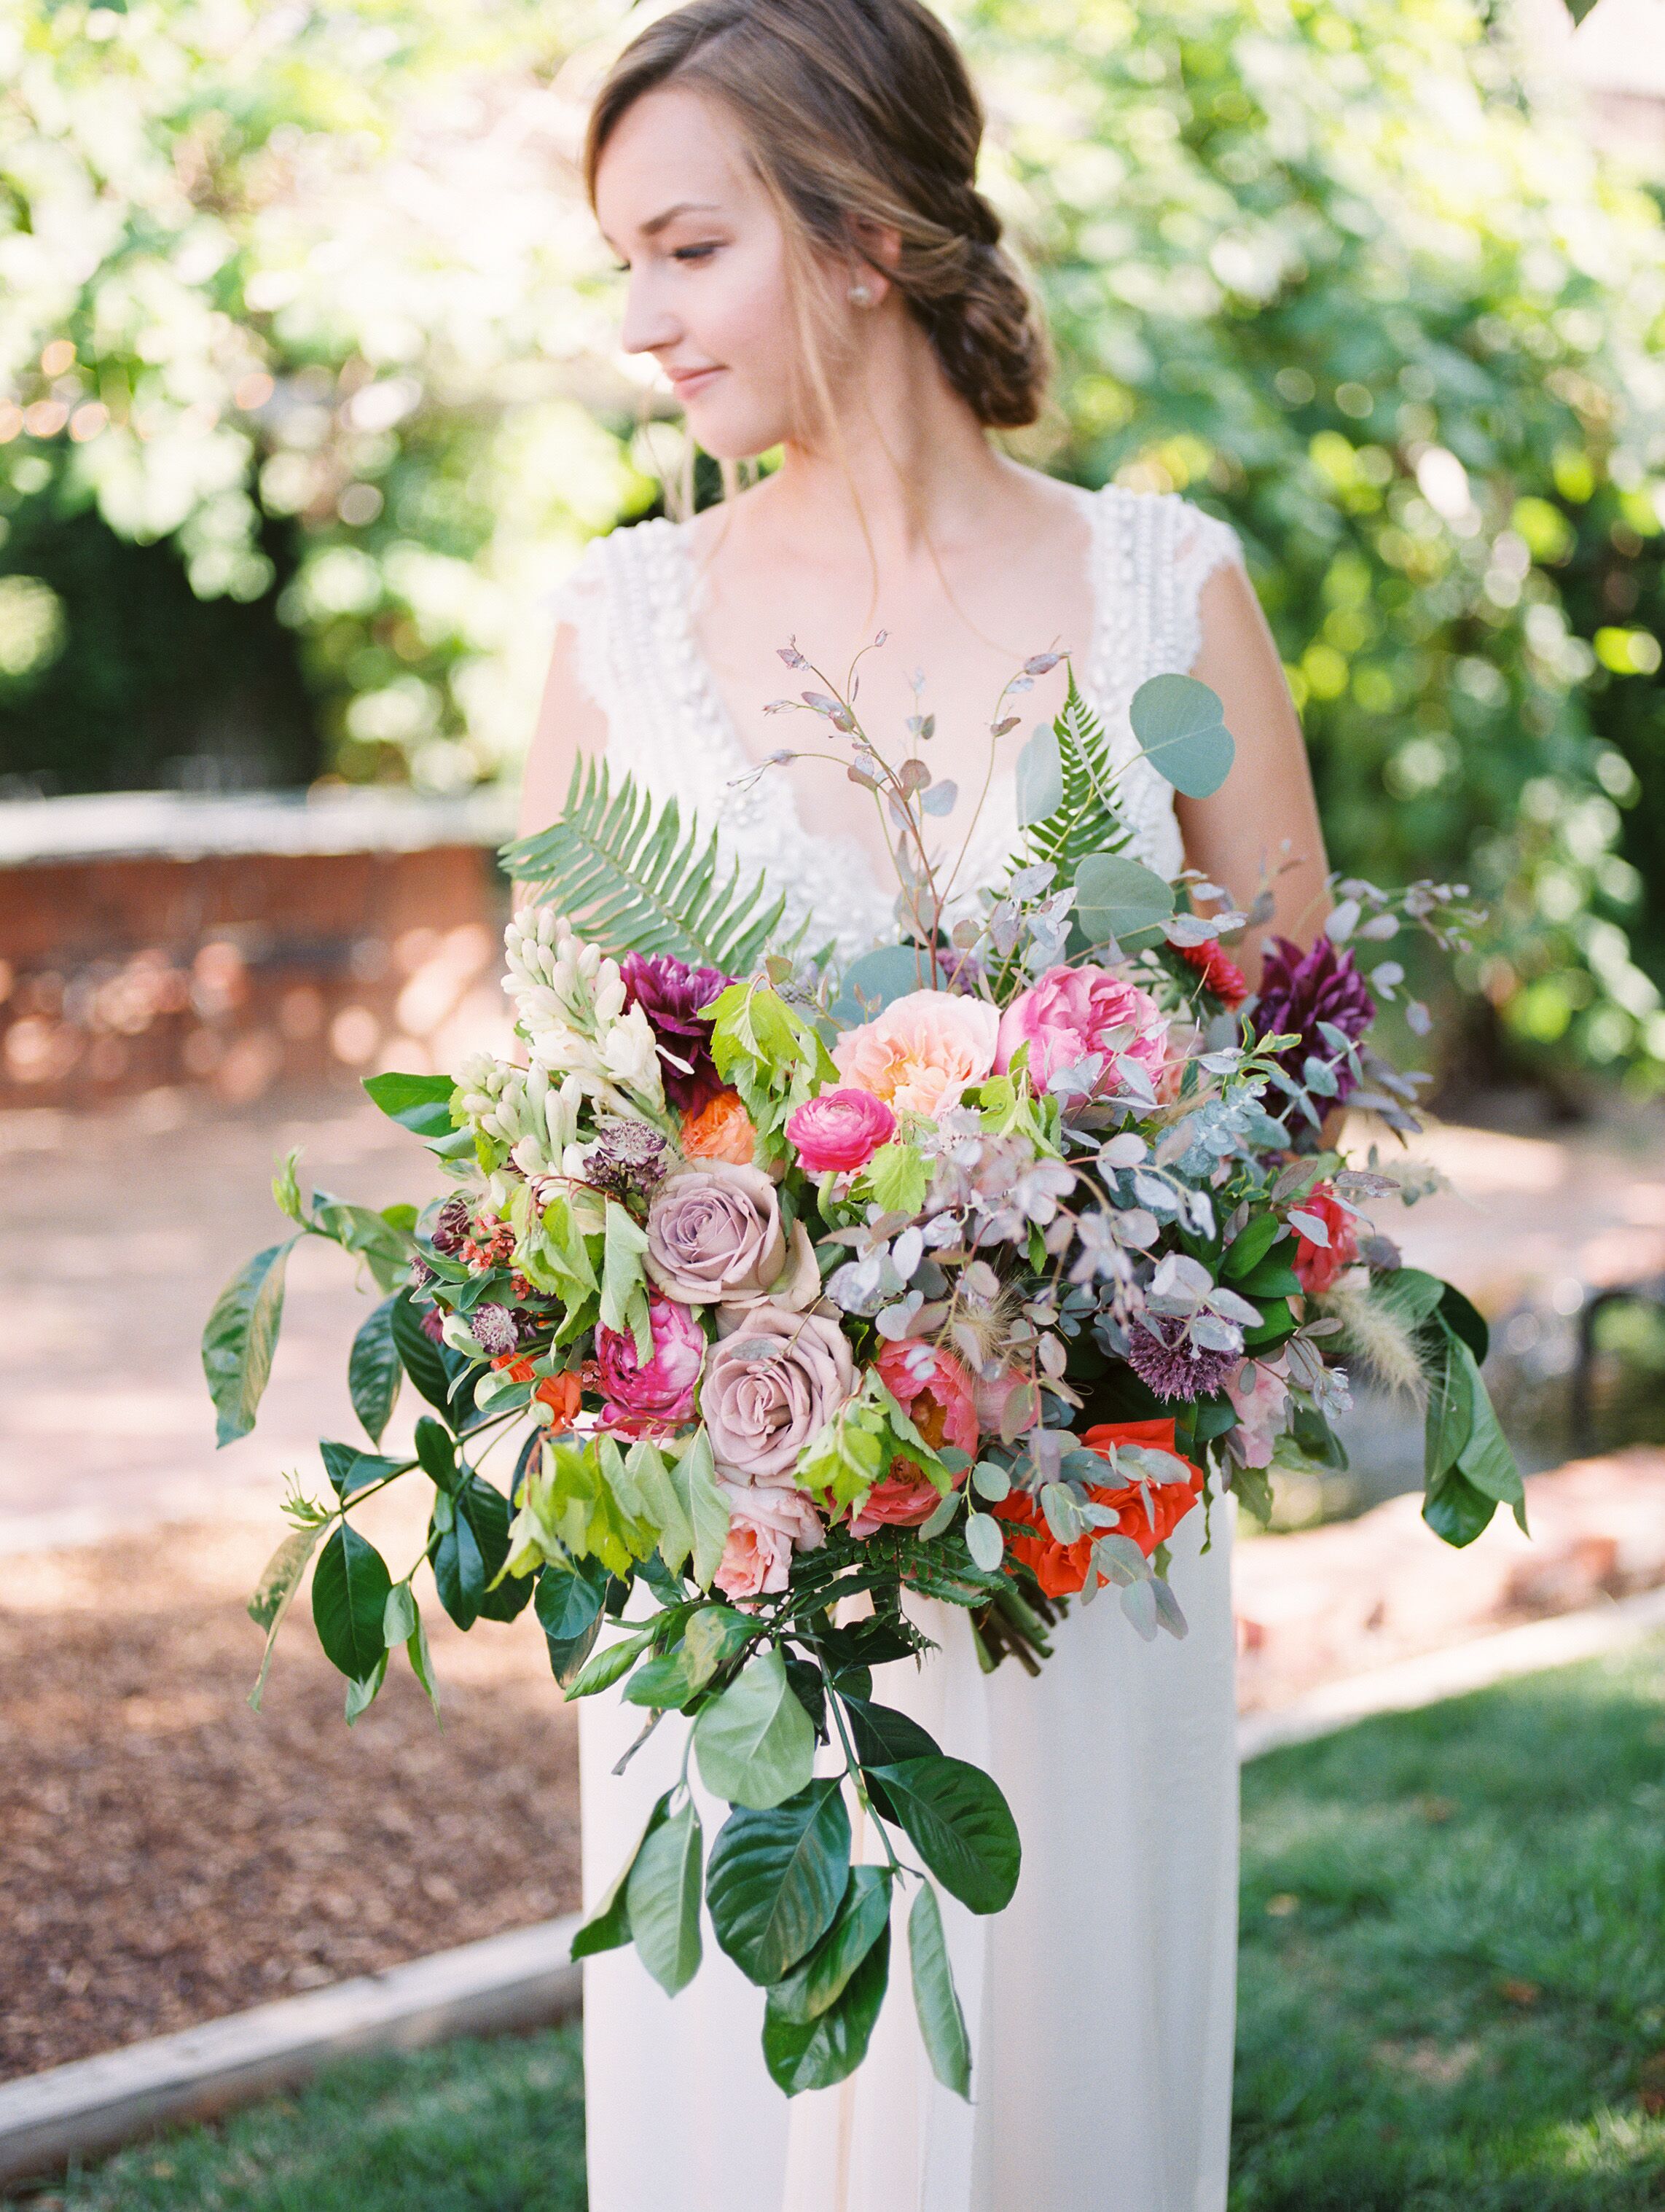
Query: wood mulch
{"points": [[167, 1855]]}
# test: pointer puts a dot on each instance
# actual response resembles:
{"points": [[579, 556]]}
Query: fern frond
{"points": [[1088, 819], [630, 877]]}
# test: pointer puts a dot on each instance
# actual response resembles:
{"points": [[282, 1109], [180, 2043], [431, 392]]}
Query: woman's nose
{"points": [[648, 325]]}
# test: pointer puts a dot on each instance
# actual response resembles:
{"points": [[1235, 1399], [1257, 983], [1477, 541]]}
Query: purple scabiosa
{"points": [[1164, 1357], [671, 994], [1299, 990]]}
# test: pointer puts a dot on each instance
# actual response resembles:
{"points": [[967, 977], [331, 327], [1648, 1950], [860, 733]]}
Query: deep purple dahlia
{"points": [[1164, 1357], [1298, 990], [671, 994]]}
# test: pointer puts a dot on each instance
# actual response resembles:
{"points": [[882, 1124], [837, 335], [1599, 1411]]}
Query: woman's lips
{"points": [[688, 383]]}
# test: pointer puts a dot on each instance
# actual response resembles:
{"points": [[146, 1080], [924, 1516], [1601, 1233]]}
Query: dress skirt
{"points": [[1101, 2002]]}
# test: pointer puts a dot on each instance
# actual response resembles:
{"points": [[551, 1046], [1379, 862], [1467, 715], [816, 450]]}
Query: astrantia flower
{"points": [[1220, 974], [494, 1328], [1162, 1355], [671, 994], [626, 1157], [1299, 990]]}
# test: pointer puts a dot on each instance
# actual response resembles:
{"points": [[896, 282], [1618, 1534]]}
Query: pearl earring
{"points": [[861, 295]]}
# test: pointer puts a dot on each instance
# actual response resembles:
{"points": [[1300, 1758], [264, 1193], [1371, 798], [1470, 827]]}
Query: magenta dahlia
{"points": [[1299, 990], [671, 994]]}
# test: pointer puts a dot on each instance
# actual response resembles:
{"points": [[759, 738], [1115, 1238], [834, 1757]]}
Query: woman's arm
{"points": [[1262, 823], [569, 724]]}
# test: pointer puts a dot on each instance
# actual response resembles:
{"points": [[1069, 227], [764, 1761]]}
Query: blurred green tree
{"points": [[1320, 263]]}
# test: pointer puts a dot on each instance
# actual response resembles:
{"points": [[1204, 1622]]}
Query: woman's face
{"points": [[710, 290]]}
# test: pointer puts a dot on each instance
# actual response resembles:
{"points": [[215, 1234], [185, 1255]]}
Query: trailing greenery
{"points": [[623, 870], [1452, 1976]]}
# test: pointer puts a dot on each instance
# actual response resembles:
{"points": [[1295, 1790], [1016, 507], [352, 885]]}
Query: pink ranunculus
{"points": [[765, 1527], [1074, 1014], [1316, 1265], [663, 1389], [1260, 1405], [839, 1131], [922, 1052]]}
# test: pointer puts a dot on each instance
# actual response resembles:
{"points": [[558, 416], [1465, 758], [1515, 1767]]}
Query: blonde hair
{"points": [[858, 115]]}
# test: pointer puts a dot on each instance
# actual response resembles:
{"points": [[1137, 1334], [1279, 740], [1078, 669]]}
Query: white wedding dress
{"points": [[1101, 2002]]}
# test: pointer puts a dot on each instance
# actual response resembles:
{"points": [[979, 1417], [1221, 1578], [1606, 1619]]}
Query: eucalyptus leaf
{"points": [[873, 979], [1181, 728], [1040, 778], [1119, 898]]}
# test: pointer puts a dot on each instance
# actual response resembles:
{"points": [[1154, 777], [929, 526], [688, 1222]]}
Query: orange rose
{"points": [[1061, 1569], [720, 1131]]}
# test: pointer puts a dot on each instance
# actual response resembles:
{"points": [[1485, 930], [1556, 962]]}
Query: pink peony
{"points": [[1260, 1405], [839, 1131], [765, 1527], [663, 1389], [922, 1052], [1075, 1014]]}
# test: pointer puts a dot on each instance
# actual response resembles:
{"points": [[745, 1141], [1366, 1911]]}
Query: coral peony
{"points": [[721, 1130], [1061, 1569], [671, 994], [1318, 1265], [765, 1527], [560, 1393], [1077, 1014], [1299, 990], [1220, 974], [922, 1052], [939, 1397], [839, 1131], [663, 1389]]}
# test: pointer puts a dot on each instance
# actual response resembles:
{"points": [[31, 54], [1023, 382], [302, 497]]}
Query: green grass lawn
{"points": [[1452, 1999]]}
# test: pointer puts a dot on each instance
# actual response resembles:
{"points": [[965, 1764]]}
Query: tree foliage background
{"points": [[308, 395]]}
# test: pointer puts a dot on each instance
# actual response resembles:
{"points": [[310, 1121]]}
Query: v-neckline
{"points": [[1000, 802]]}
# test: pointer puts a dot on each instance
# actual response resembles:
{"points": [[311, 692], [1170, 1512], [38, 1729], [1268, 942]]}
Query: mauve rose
{"points": [[768, 1389], [714, 1233], [765, 1527], [1069, 1015], [663, 1389], [839, 1131], [671, 994]]}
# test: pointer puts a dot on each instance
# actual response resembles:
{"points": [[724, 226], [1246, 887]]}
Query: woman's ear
{"points": [[877, 248]]}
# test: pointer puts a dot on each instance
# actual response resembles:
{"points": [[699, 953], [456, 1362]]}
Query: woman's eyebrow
{"points": [[656, 224]]}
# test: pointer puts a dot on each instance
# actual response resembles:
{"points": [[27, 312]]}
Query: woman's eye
{"points": [[694, 252]]}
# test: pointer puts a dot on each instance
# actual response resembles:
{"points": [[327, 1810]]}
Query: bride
{"points": [[789, 184]]}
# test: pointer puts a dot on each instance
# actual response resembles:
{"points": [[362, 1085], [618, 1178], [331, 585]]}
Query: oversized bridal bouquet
{"points": [[792, 1296]]}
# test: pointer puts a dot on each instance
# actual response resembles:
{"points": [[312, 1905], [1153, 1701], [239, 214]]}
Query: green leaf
{"points": [[419, 1355], [399, 1617], [1409, 1294], [711, 1639], [360, 1696], [815, 2054], [819, 1980], [776, 1879], [883, 1735], [422, 1666], [649, 1477], [889, 972], [374, 1371], [624, 1286], [1464, 1320], [1272, 1279], [286, 1189], [662, 1899], [569, 1602], [1455, 1509], [1118, 897], [350, 1602], [469, 1555], [896, 1178], [661, 1682], [605, 1666], [1181, 728], [607, 1928], [275, 1593], [755, 1743], [694, 1478], [941, 2022], [240, 1337], [961, 1825], [1485, 1459], [350, 1469], [420, 1103], [620, 865], [368, 1235], [1450, 1411], [1040, 778], [1245, 1253]]}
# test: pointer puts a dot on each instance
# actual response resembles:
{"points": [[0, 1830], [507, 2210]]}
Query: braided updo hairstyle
{"points": [[856, 113]]}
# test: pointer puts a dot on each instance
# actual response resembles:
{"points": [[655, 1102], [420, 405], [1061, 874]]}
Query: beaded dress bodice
{"points": [[630, 604]]}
